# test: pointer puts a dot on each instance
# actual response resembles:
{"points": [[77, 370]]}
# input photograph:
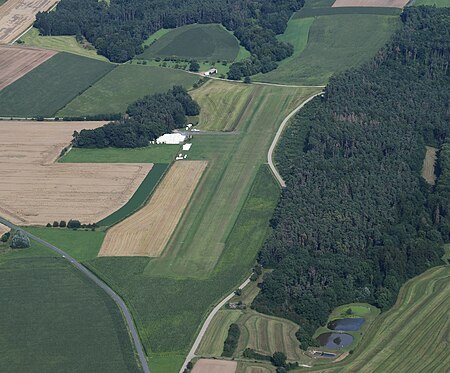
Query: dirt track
{"points": [[17, 15], [371, 3], [214, 366], [34, 190], [15, 62], [147, 232]]}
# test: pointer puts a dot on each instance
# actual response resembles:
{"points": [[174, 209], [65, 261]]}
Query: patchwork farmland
{"points": [[34, 190], [15, 62], [147, 232]]}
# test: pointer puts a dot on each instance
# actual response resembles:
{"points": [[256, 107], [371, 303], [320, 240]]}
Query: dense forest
{"points": [[145, 120], [356, 219], [119, 28]]}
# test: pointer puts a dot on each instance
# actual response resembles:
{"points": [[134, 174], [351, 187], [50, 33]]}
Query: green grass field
{"points": [[412, 336], [438, 3], [328, 11], [55, 320], [202, 42], [150, 154], [335, 43], [51, 85], [59, 43], [124, 85]]}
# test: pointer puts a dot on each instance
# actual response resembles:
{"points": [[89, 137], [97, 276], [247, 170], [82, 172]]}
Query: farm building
{"points": [[171, 139], [210, 72], [186, 147]]}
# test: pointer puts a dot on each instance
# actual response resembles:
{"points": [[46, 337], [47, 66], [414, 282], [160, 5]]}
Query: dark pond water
{"points": [[350, 324], [335, 340]]}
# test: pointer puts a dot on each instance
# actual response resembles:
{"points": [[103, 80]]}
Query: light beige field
{"points": [[214, 366], [429, 164], [147, 232], [15, 62], [35, 191], [371, 3], [17, 15], [3, 229]]}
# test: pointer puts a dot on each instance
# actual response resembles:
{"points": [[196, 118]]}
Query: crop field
{"points": [[17, 15], [212, 342], [429, 164], [223, 105], [438, 3], [38, 338], [214, 366], [202, 42], [15, 62], [335, 43], [147, 232], [35, 190], [412, 336], [371, 3], [255, 368], [60, 43], [124, 85], [51, 85], [3, 229]]}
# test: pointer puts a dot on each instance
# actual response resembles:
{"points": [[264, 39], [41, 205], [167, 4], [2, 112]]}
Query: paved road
{"points": [[208, 320], [277, 137], [100, 283]]}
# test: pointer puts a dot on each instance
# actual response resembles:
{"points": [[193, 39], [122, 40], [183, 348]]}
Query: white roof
{"points": [[187, 146], [171, 138]]}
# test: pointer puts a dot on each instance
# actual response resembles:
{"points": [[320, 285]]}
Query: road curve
{"points": [[205, 326], [101, 284], [277, 137]]}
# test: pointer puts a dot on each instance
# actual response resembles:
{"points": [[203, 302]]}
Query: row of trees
{"points": [[146, 120], [356, 219], [119, 28]]}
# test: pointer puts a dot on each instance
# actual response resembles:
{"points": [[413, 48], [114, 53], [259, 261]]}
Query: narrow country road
{"points": [[277, 137], [101, 284], [208, 320]]}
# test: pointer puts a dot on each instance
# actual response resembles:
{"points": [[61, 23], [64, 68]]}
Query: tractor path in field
{"points": [[126, 313], [277, 137]]}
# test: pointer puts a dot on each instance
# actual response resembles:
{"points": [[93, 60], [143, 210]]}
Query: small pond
{"points": [[351, 324], [335, 340]]}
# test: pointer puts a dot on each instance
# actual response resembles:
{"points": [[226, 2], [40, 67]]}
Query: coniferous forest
{"points": [[356, 219]]}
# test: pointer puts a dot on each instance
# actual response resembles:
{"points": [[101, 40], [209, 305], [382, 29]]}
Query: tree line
{"points": [[119, 28], [356, 219]]}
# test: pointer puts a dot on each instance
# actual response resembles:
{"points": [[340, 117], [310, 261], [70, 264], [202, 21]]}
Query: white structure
{"points": [[186, 147], [171, 139], [210, 72]]}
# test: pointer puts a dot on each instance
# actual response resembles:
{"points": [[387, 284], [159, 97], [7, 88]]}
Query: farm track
{"points": [[117, 299]]}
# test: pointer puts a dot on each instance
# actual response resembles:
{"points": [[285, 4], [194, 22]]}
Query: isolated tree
{"points": [[20, 241], [55, 224], [194, 66], [48, 225], [74, 224], [279, 359], [5, 237], [62, 223]]}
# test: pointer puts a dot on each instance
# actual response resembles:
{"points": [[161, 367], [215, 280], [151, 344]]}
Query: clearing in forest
{"points": [[17, 15], [214, 366], [371, 3], [147, 232], [35, 191], [429, 164], [15, 62]]}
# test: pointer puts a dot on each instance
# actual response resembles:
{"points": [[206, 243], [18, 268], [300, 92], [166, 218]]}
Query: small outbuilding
{"points": [[186, 147], [210, 72], [171, 139]]}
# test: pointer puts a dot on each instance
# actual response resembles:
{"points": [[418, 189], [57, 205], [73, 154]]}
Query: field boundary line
{"points": [[278, 135], [100, 283]]}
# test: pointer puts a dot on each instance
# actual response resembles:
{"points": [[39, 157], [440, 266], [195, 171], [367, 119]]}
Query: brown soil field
{"points": [[147, 232], [214, 366], [15, 62], [17, 15], [371, 3], [35, 191], [429, 165]]}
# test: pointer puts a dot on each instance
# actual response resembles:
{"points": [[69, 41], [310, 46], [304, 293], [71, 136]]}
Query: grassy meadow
{"points": [[437, 3], [60, 43], [123, 86], [198, 41], [51, 85]]}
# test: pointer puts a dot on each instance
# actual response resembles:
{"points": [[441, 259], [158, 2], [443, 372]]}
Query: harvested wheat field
{"points": [[214, 366], [371, 3], [17, 15], [15, 62], [34, 190], [147, 232]]}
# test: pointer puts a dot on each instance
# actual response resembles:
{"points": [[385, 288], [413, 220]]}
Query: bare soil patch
{"points": [[17, 15], [371, 3], [429, 164], [214, 366], [147, 232], [34, 190], [15, 62]]}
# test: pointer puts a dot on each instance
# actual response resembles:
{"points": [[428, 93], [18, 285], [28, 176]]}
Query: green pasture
{"points": [[328, 11], [335, 43], [198, 41], [437, 3], [123, 86], [51, 85], [151, 154], [60, 43], [412, 337], [54, 319]]}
